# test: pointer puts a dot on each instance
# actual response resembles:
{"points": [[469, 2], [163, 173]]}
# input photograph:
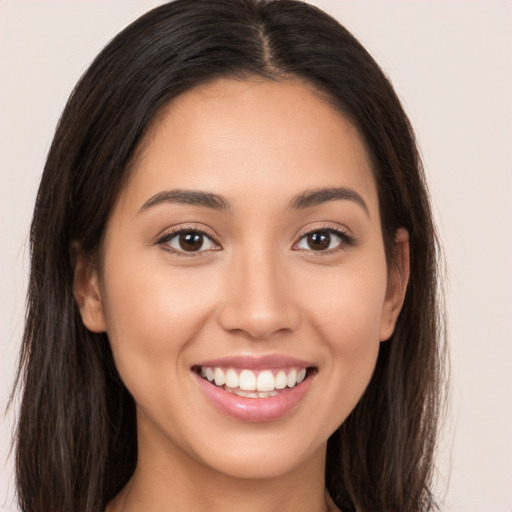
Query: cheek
{"points": [[348, 311], [347, 317], [152, 314]]}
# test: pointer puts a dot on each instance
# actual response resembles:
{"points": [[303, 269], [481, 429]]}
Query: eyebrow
{"points": [[193, 197], [311, 198], [306, 199]]}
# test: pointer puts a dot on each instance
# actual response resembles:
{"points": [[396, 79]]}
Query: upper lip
{"points": [[250, 362]]}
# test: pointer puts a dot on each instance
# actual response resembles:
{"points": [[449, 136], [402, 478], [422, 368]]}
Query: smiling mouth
{"points": [[247, 383]]}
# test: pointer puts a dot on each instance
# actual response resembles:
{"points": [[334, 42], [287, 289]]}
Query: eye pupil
{"points": [[319, 240], [191, 241]]}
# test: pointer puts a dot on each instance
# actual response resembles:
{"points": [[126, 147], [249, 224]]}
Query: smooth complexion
{"points": [[270, 276]]}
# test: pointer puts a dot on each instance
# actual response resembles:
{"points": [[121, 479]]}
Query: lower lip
{"points": [[255, 409]]}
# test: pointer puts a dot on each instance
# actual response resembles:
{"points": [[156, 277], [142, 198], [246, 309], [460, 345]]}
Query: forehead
{"points": [[249, 139]]}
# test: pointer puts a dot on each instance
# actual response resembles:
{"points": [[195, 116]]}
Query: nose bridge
{"points": [[258, 300]]}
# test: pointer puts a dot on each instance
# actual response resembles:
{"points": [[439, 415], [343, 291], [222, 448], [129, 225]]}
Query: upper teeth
{"points": [[247, 380]]}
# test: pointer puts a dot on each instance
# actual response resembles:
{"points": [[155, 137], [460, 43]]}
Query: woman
{"points": [[232, 299]]}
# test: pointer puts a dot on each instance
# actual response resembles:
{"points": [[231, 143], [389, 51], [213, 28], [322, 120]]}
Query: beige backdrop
{"points": [[450, 62]]}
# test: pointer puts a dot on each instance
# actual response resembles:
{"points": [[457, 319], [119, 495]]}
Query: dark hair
{"points": [[76, 436]]}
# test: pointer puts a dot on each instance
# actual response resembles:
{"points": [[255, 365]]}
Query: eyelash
{"points": [[346, 240], [168, 236]]}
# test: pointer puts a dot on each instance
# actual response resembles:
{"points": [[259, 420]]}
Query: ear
{"points": [[87, 292], [398, 277]]}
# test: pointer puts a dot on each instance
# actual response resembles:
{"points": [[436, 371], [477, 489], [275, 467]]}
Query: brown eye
{"points": [[324, 240], [319, 240], [191, 241], [188, 241]]}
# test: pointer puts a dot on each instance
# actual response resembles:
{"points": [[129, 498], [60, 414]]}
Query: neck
{"points": [[167, 480]]}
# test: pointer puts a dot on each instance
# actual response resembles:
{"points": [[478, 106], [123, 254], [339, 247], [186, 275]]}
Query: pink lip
{"points": [[254, 409], [256, 363]]}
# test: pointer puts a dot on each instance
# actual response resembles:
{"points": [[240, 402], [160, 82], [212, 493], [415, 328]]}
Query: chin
{"points": [[260, 455], [258, 466]]}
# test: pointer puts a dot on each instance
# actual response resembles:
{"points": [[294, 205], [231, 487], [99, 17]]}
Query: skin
{"points": [[257, 289]]}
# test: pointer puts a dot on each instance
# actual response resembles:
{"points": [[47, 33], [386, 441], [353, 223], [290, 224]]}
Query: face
{"points": [[243, 282]]}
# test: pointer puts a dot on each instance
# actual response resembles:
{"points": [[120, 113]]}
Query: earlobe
{"points": [[397, 284], [87, 292]]}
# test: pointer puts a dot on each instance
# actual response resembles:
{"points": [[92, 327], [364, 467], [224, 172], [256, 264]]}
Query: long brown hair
{"points": [[76, 435]]}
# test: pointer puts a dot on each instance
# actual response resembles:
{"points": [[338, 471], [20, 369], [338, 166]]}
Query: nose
{"points": [[259, 300]]}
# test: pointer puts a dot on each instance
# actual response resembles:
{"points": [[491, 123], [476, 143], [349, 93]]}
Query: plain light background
{"points": [[450, 62]]}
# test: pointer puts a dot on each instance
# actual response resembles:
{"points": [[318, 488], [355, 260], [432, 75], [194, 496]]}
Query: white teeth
{"points": [[231, 379], [246, 394], [249, 394], [219, 377], [247, 381], [248, 384], [280, 380], [291, 379], [265, 381]]}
